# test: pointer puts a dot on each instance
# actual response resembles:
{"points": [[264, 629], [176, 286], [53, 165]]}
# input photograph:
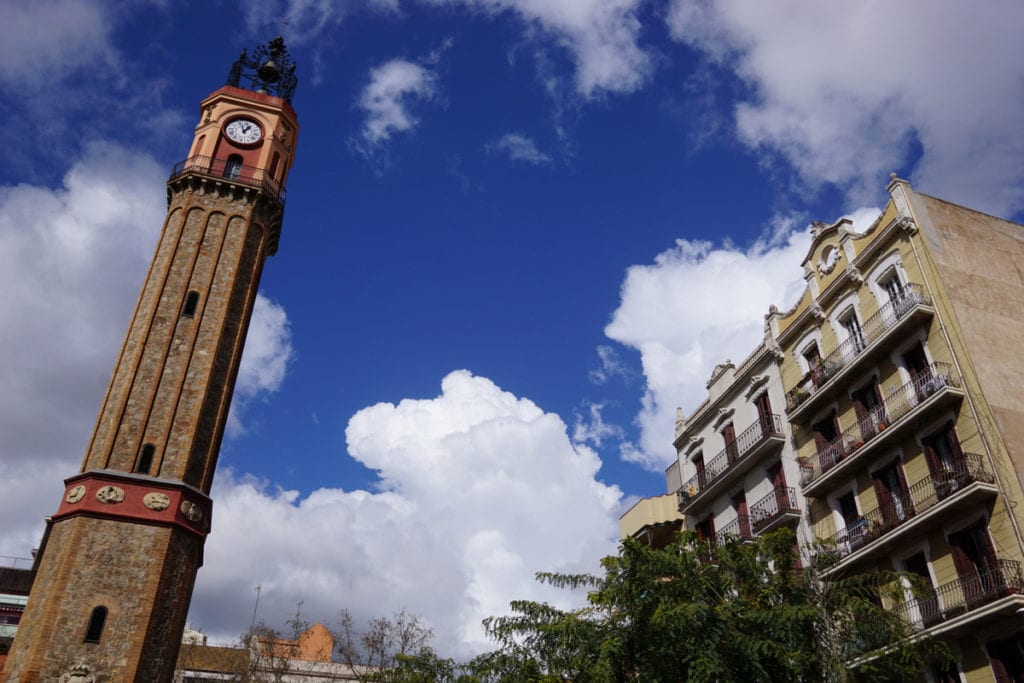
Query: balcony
{"points": [[885, 324], [251, 176], [776, 509], [960, 603], [731, 463], [884, 426], [925, 504], [738, 528]]}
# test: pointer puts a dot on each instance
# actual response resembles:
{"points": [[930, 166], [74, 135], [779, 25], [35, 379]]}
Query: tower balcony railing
{"points": [[221, 169], [774, 510], [738, 528], [735, 459], [936, 386], [963, 595], [924, 503], [822, 379]]}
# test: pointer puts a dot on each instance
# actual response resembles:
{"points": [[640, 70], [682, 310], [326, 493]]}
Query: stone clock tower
{"points": [[120, 555]]}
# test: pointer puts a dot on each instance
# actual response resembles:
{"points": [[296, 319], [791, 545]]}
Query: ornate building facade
{"points": [[900, 374]]}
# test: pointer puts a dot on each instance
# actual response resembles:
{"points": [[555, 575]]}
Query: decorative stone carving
{"points": [[79, 673], [817, 312], [774, 348], [156, 501], [680, 421], [906, 223], [110, 494], [75, 494], [192, 512], [854, 274]]}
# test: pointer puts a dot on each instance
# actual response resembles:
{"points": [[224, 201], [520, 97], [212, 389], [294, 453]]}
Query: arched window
{"points": [[96, 622], [145, 459], [273, 165], [233, 166], [191, 301]]}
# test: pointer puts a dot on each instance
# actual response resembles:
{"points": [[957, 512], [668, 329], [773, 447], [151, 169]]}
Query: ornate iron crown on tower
{"points": [[270, 71]]}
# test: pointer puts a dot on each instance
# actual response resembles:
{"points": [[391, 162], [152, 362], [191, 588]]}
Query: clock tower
{"points": [[119, 558]]}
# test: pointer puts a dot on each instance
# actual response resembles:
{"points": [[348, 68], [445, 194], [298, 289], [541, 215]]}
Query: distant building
{"points": [[16, 575], [306, 659], [738, 469]]}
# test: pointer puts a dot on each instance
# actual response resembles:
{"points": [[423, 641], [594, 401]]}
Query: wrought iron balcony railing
{"points": [[847, 352], [905, 505], [998, 580], [765, 427], [235, 173], [781, 501], [873, 426], [739, 527]]}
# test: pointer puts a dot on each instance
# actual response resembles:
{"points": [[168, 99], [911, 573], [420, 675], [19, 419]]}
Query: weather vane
{"points": [[270, 71]]}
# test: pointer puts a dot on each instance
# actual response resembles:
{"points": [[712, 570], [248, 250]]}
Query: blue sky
{"points": [[518, 235]]}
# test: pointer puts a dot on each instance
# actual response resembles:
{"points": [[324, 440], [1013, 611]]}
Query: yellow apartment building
{"points": [[903, 373]]}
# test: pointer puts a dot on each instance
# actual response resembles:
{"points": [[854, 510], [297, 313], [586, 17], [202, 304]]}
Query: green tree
{"points": [[737, 611]]}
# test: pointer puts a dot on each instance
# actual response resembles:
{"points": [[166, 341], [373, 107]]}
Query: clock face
{"points": [[243, 131]]}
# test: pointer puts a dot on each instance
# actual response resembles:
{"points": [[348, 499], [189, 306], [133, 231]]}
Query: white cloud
{"points": [[388, 98], [611, 366], [592, 429], [601, 35], [47, 39], [268, 350], [518, 147], [308, 20], [63, 316], [478, 491], [72, 260], [843, 90], [696, 306]]}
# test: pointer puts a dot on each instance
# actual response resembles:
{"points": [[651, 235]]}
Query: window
{"points": [[764, 414], [812, 357], [893, 288], [729, 436], [853, 523], [893, 497], [698, 462], [1007, 659], [925, 605], [145, 459], [976, 565], [233, 166], [853, 331], [96, 622], [191, 301], [945, 459], [867, 404], [274, 164], [706, 530], [825, 432], [739, 502]]}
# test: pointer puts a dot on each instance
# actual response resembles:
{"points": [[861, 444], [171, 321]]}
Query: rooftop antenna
{"points": [[259, 588]]}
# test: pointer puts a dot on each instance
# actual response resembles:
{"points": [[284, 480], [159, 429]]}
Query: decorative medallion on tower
{"points": [[140, 503]]}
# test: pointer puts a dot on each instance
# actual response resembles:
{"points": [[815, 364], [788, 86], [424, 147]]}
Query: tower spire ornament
{"points": [[119, 557]]}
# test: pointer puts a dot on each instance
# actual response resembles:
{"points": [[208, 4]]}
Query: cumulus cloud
{"points": [[388, 99], [602, 37], [45, 40], [845, 91], [518, 147], [268, 350], [64, 313], [479, 489], [697, 305]]}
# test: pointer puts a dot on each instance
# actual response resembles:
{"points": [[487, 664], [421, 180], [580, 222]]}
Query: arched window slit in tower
{"points": [[145, 459], [191, 301], [96, 622]]}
